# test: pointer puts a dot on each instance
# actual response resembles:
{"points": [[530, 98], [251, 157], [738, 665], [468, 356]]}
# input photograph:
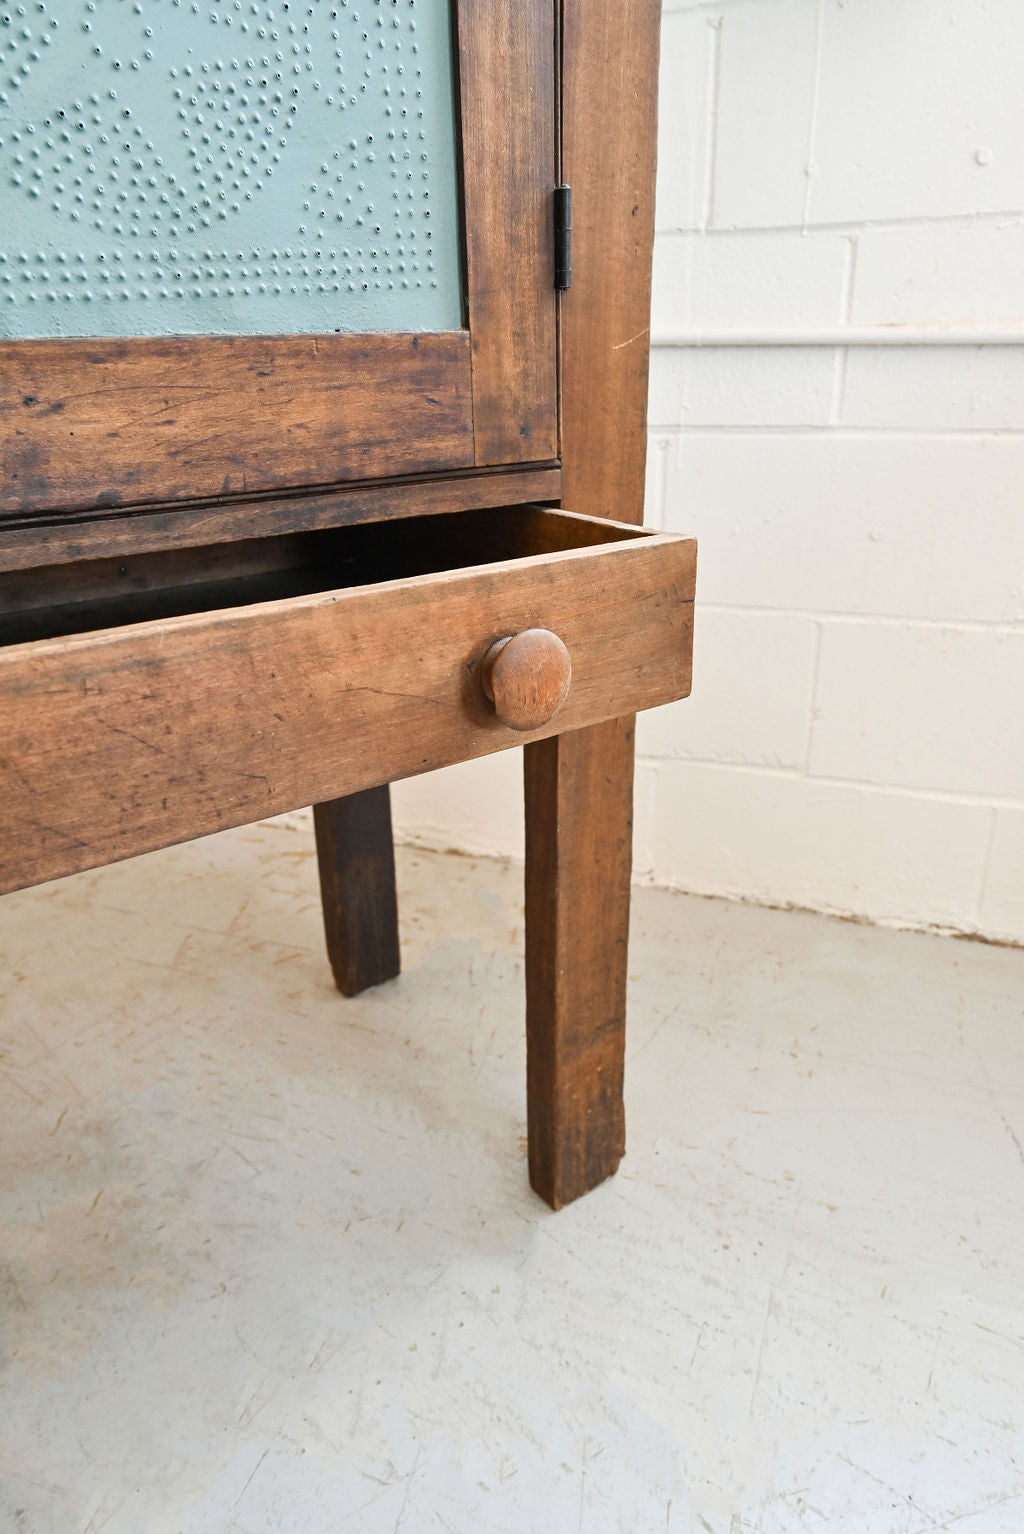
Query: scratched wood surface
{"points": [[93, 424], [118, 741]]}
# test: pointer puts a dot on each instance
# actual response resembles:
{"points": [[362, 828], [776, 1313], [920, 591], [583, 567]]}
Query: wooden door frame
{"points": [[94, 424], [610, 54]]}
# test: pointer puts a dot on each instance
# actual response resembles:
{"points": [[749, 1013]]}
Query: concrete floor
{"points": [[270, 1260]]}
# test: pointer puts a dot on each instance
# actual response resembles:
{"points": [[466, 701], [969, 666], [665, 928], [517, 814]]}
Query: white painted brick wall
{"points": [[855, 741]]}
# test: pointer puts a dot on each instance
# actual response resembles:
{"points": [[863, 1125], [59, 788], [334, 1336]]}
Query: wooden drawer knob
{"points": [[527, 676]]}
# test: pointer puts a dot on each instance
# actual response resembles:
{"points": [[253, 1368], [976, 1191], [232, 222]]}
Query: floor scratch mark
{"points": [[249, 1482], [408, 1488], [1012, 1133]]}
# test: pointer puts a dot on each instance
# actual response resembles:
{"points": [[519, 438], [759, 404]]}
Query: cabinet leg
{"points": [[579, 820], [357, 886]]}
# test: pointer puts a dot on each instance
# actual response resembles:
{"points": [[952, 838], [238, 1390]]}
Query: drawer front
{"points": [[123, 740]]}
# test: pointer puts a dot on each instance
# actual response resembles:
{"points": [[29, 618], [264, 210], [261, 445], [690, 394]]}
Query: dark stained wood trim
{"points": [[191, 526], [356, 861], [508, 108], [609, 154], [98, 423]]}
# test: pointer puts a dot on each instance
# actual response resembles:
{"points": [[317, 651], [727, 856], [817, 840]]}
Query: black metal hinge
{"points": [[563, 237]]}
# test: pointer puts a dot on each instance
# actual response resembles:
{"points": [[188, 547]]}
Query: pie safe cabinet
{"points": [[323, 367]]}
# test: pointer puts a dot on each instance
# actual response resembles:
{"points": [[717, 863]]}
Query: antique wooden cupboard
{"points": [[314, 479]]}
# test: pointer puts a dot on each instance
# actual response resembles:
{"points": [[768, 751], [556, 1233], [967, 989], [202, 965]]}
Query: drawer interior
{"points": [[49, 602]]}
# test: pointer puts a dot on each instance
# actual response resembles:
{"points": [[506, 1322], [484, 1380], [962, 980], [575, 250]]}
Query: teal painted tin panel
{"points": [[227, 167]]}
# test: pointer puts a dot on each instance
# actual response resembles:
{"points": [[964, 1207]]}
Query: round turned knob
{"points": [[527, 676]]}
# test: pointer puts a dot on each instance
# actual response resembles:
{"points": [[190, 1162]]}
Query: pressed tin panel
{"points": [[246, 167]]}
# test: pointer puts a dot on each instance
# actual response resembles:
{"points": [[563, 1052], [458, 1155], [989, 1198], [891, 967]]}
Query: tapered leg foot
{"points": [[579, 819], [357, 885]]}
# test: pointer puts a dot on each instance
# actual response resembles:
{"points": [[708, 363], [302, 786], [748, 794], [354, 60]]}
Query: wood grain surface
{"points": [[579, 810], [94, 424], [527, 677], [122, 740], [356, 863], [579, 788], [508, 106], [609, 153], [183, 526]]}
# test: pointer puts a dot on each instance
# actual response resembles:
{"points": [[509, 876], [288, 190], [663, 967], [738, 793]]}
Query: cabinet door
{"points": [[250, 245]]}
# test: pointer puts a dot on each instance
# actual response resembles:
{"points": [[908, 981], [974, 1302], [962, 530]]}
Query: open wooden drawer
{"points": [[149, 700]]}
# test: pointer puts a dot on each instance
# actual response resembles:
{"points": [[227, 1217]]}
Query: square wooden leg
{"points": [[579, 820], [357, 885]]}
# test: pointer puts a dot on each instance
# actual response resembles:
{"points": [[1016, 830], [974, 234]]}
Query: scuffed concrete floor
{"points": [[270, 1260]]}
